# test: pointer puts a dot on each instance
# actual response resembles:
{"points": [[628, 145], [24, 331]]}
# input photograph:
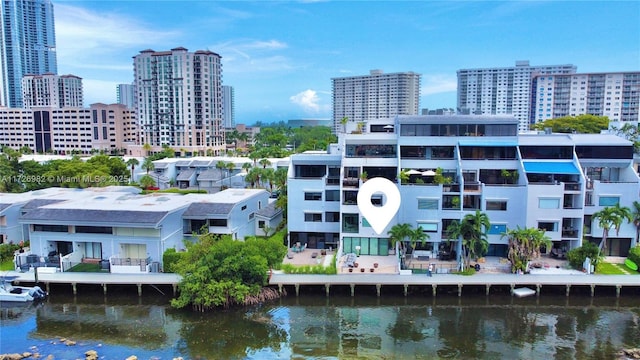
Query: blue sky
{"points": [[280, 56]]}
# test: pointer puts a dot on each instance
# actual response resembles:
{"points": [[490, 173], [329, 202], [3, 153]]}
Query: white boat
{"points": [[10, 293], [524, 291]]}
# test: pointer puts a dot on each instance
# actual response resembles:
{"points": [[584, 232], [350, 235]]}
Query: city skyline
{"points": [[280, 56]]}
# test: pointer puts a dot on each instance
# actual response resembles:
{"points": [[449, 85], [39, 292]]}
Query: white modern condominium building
{"points": [[51, 90], [27, 45], [446, 167], [179, 99], [375, 96], [502, 91], [615, 95]]}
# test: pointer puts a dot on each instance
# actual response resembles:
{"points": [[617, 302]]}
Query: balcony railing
{"points": [[572, 186], [570, 233], [351, 182]]}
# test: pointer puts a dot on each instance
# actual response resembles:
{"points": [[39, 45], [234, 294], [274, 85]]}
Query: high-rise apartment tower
{"points": [[615, 95], [228, 107], [375, 96], [56, 91], [179, 99], [27, 45], [501, 91]]}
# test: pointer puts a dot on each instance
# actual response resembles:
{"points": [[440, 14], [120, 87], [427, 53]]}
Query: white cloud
{"points": [[438, 83], [87, 39], [249, 55], [308, 100]]}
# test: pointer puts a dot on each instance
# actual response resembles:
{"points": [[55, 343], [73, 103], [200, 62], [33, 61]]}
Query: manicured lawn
{"points": [[614, 269], [86, 268], [7, 265]]}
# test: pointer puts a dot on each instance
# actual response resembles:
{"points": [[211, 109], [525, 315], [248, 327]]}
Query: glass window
{"points": [[497, 229], [313, 196], [332, 195], [609, 200], [332, 216], [500, 205], [312, 217], [429, 226], [548, 226], [350, 223], [218, 222], [548, 203], [428, 204]]}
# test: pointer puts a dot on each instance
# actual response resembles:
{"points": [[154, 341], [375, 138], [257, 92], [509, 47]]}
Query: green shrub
{"points": [[577, 256], [7, 250], [170, 258], [634, 254]]}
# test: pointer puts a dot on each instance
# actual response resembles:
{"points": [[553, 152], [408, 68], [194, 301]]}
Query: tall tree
{"points": [[147, 148], [524, 245], [472, 232], [230, 166], [147, 165], [582, 124], [611, 217], [399, 233], [417, 235], [265, 163], [636, 220], [133, 162]]}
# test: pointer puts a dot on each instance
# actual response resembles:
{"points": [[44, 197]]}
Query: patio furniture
{"points": [[314, 255]]}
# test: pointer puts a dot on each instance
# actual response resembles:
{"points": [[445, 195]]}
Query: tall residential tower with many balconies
{"points": [[374, 96], [502, 91], [179, 99], [615, 95], [27, 45]]}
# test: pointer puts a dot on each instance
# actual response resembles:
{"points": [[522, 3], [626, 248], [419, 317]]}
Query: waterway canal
{"points": [[337, 327]]}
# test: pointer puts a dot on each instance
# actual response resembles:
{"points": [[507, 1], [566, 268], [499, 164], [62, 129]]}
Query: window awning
{"points": [[538, 167]]}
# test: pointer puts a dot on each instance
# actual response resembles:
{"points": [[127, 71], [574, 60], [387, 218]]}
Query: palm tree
{"points": [[418, 235], [133, 162], [265, 163], [230, 167], [636, 220], [268, 175], [246, 167], [399, 233], [253, 177], [148, 165], [524, 245], [344, 122], [147, 148], [472, 231], [611, 216], [254, 156], [221, 165]]}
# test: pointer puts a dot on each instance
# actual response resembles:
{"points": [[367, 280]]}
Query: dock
{"points": [[93, 278], [402, 282], [485, 281]]}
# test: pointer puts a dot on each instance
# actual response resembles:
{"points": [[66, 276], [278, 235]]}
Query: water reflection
{"points": [[342, 327]]}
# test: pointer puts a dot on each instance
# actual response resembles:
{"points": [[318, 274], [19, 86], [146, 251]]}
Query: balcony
{"points": [[130, 265], [572, 187], [570, 233], [351, 182]]}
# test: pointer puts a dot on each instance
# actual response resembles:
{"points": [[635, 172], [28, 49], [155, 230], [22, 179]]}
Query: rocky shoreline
{"points": [[34, 354]]}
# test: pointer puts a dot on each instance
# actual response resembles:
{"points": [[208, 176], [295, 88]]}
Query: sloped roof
{"points": [[210, 174], [270, 211], [204, 209], [185, 175], [94, 216]]}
